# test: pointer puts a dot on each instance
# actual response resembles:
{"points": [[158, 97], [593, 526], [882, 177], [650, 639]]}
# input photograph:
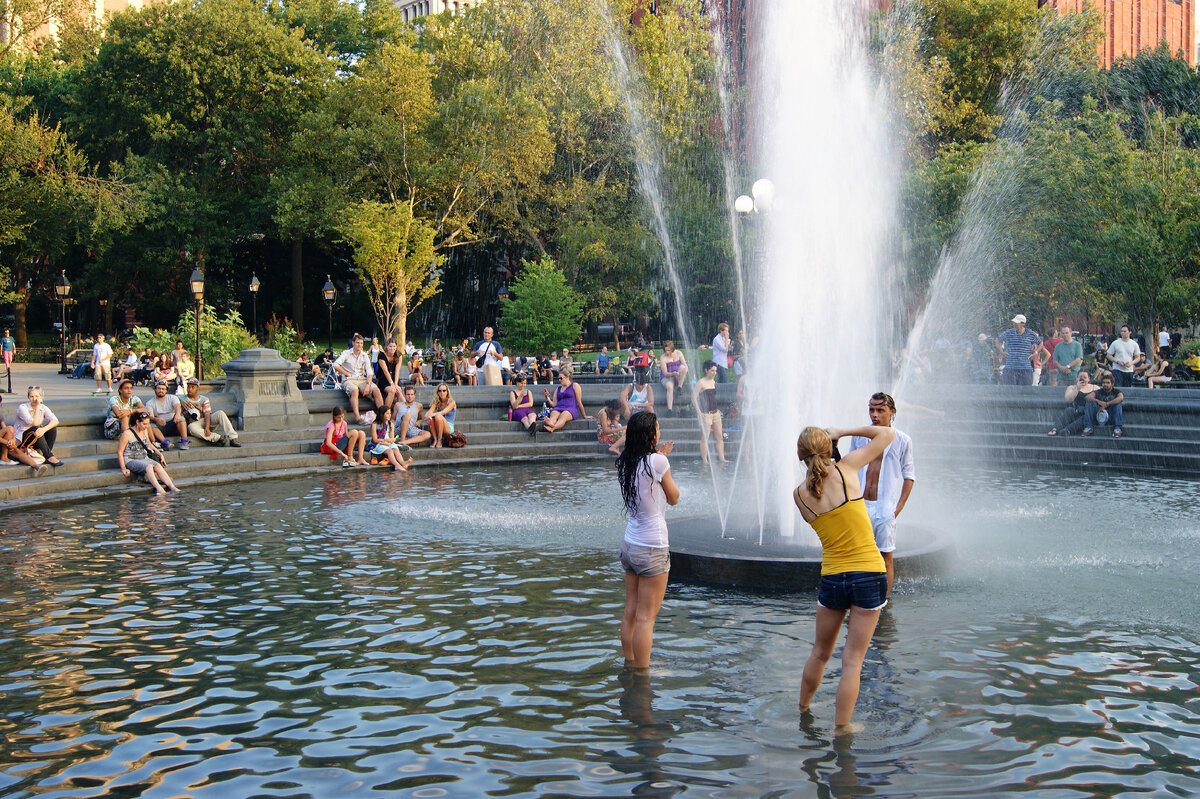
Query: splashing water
{"points": [[824, 320]]}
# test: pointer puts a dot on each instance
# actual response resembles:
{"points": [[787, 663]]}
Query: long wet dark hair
{"points": [[640, 439]]}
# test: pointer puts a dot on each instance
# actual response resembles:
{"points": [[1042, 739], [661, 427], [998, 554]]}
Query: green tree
{"points": [[543, 314], [199, 99], [51, 205], [395, 257]]}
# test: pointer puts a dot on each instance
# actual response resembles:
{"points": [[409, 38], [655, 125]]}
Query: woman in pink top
{"points": [[340, 440]]}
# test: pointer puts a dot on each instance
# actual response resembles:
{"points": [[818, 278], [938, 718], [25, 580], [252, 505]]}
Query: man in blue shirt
{"points": [[602, 361], [1020, 345]]}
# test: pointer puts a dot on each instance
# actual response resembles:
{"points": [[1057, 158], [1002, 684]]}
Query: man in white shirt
{"points": [[1124, 353], [887, 481], [491, 352], [102, 364], [720, 348], [1164, 343], [354, 366]]}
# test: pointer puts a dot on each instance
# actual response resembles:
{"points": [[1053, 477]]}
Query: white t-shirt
{"points": [[359, 366], [101, 352], [491, 350], [1122, 350], [720, 351], [897, 467], [647, 526], [1164, 338]]}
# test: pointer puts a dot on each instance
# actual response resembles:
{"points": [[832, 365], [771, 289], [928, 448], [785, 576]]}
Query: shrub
{"points": [[221, 338], [290, 343]]}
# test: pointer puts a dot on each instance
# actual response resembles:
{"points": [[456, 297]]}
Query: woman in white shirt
{"points": [[647, 487], [36, 425]]}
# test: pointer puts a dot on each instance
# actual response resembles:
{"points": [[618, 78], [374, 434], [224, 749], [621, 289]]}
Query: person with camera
{"points": [[201, 419]]}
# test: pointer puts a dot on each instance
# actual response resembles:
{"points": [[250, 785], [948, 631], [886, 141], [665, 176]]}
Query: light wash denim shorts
{"points": [[645, 561]]}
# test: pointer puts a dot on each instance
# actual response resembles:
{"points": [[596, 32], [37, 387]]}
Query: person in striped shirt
{"points": [[1020, 346]]}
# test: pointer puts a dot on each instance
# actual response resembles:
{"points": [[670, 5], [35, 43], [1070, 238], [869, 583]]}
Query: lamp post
{"points": [[330, 294], [254, 284], [62, 290], [196, 283]]}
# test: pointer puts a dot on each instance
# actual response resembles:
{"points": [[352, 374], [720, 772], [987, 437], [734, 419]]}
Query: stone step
{"points": [[1071, 462], [1134, 428]]}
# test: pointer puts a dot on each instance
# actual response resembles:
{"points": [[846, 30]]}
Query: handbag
{"points": [[482, 357], [455, 440]]}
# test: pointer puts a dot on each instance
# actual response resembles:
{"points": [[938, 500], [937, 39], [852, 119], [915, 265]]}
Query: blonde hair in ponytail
{"points": [[815, 448]]}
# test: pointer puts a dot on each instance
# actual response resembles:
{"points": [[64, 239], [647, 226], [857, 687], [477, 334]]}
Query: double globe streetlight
{"points": [[761, 199]]}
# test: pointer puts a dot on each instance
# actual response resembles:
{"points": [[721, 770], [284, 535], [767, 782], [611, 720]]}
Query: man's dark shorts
{"points": [[866, 590]]}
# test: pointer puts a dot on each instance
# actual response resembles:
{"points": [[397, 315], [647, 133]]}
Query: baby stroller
{"points": [[438, 370]]}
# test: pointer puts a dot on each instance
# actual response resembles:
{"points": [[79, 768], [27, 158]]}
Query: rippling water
{"points": [[454, 633]]}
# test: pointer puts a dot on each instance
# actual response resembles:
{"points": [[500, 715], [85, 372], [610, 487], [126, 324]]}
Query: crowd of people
{"points": [[1020, 356]]}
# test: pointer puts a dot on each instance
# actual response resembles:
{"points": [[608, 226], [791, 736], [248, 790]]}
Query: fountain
{"points": [[820, 296]]}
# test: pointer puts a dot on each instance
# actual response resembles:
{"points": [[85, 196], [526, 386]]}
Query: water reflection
{"points": [[340, 636]]}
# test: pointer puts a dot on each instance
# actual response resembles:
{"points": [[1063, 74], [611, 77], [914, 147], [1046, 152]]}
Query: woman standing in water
{"points": [[646, 489], [852, 570]]}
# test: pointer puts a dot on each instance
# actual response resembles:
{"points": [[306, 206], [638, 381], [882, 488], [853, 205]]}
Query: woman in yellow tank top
{"points": [[852, 571]]}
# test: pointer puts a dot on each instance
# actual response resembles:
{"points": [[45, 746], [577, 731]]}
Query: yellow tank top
{"points": [[847, 537]]}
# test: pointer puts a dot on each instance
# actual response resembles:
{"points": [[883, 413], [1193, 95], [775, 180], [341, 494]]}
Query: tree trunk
{"points": [[19, 332], [399, 326], [298, 284]]}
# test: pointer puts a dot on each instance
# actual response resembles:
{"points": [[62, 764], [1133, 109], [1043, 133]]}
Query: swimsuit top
{"points": [[847, 536], [708, 400]]}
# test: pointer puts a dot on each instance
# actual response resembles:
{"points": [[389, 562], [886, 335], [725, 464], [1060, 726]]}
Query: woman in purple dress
{"points": [[568, 403]]}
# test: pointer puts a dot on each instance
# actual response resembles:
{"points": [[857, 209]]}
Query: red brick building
{"points": [[1131, 26]]}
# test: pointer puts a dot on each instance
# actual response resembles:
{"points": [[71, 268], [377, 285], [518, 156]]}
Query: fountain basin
{"points": [[699, 553]]}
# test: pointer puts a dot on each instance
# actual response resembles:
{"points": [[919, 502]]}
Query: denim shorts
{"points": [[645, 561], [866, 590]]}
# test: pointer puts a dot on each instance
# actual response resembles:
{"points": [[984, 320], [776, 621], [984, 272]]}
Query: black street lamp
{"points": [[62, 290], [254, 285], [196, 282], [330, 294]]}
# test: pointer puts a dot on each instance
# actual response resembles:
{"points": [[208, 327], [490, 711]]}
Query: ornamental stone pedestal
{"points": [[264, 385]]}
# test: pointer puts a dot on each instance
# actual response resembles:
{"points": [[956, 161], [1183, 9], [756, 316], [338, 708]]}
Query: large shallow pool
{"points": [[454, 633]]}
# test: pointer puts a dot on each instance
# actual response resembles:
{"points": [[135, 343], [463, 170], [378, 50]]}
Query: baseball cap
{"points": [[1019, 319], [191, 381]]}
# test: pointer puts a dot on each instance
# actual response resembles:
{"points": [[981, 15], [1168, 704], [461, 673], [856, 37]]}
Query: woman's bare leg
{"points": [[558, 420], [854, 652], [166, 478], [829, 622], [637, 624], [719, 436], [152, 479]]}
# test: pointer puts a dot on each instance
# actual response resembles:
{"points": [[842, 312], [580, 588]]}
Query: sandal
{"points": [[1053, 431]]}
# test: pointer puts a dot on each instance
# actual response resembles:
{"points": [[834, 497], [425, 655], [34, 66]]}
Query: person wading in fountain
{"points": [[647, 487], [852, 572], [886, 481]]}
